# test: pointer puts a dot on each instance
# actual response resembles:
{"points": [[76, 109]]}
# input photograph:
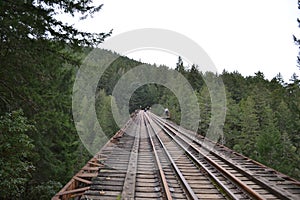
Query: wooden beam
{"points": [[96, 164], [82, 180], [73, 191], [90, 168], [87, 175]]}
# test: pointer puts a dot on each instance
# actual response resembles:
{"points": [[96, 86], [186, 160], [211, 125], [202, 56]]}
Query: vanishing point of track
{"points": [[152, 158]]}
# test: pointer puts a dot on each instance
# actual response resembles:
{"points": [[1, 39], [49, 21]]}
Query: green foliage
{"points": [[195, 78], [205, 108], [235, 84], [40, 149], [39, 55], [179, 65], [169, 100], [144, 96], [262, 117], [249, 127], [232, 127], [105, 115], [268, 141], [16, 149], [43, 191]]}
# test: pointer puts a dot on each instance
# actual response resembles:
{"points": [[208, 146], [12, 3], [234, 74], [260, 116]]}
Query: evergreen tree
{"points": [[195, 78], [236, 84], [284, 118], [249, 127], [205, 110], [232, 127], [293, 94], [179, 65], [104, 105], [269, 147], [17, 150], [38, 55]]}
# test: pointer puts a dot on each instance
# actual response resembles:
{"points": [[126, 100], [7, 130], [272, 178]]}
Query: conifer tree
{"points": [[38, 59], [179, 65], [249, 127], [269, 147]]}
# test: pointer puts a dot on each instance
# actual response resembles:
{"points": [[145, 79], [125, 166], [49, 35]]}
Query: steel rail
{"points": [[161, 172], [194, 158], [128, 191], [72, 185], [275, 191], [185, 183]]}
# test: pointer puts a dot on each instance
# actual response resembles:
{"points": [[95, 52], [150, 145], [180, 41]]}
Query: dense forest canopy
{"points": [[262, 116], [39, 59], [39, 56]]}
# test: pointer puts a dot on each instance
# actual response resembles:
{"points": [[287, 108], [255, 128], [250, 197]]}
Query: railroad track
{"points": [[155, 159], [237, 175]]}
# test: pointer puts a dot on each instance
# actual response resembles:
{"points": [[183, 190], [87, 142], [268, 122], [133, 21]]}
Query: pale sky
{"points": [[241, 35]]}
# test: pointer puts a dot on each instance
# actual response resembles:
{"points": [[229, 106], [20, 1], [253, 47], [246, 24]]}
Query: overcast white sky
{"points": [[241, 35]]}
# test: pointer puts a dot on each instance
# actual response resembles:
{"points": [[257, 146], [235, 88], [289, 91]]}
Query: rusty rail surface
{"points": [[156, 159]]}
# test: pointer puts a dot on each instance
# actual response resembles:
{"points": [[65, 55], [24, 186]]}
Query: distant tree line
{"points": [[262, 116], [39, 59]]}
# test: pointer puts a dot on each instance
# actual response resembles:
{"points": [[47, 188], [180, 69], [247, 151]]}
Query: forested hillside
{"points": [[39, 56], [262, 116], [39, 59]]}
